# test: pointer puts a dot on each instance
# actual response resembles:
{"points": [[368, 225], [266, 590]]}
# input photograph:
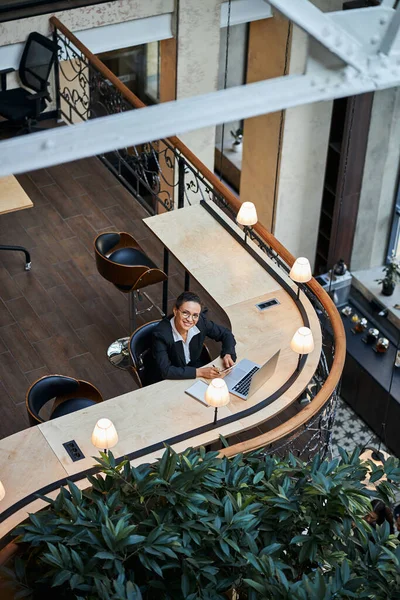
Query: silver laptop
{"points": [[247, 377]]}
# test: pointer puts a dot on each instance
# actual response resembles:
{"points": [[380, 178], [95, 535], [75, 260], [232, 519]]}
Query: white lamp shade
{"points": [[247, 214], [302, 341], [217, 393], [301, 270], [2, 491], [104, 434]]}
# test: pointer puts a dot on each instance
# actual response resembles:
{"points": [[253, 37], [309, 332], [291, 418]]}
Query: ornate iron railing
{"points": [[165, 175]]}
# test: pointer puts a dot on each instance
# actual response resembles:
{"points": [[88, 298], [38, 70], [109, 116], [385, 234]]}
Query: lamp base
{"points": [[215, 415]]}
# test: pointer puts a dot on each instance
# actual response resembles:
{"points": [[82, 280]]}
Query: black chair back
{"points": [[141, 354], [106, 241], [44, 390], [37, 61]]}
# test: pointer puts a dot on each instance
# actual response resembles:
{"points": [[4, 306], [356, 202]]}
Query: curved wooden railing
{"points": [[308, 412]]}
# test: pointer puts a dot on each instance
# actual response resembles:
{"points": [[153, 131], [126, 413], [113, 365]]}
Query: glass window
{"points": [[394, 239], [138, 68], [152, 87], [232, 72]]}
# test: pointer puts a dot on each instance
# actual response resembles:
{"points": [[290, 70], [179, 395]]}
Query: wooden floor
{"points": [[62, 315]]}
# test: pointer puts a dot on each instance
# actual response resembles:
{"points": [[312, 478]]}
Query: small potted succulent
{"points": [[237, 139], [392, 276]]}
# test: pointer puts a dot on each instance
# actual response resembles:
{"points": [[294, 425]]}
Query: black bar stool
{"points": [[69, 395], [120, 260]]}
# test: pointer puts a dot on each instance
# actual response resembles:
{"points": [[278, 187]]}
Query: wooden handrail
{"points": [[339, 336]]}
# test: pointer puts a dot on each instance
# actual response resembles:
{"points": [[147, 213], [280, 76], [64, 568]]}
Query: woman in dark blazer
{"points": [[178, 342]]}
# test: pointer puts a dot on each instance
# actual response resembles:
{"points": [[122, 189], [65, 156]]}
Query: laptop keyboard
{"points": [[243, 385]]}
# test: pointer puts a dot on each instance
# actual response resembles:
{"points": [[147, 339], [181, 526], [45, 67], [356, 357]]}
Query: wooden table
{"points": [[12, 196], [162, 411]]}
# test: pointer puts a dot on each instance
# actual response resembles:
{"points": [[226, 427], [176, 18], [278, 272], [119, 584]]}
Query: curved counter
{"points": [[35, 459]]}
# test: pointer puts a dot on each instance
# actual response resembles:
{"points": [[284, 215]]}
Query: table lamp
{"points": [[300, 272], [217, 395], [2, 492], [247, 216], [104, 435], [302, 343]]}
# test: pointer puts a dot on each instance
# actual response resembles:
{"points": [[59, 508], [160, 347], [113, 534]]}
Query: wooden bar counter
{"points": [[35, 458]]}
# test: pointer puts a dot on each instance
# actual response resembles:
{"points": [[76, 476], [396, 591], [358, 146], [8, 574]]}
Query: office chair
{"points": [[68, 393], [120, 260], [19, 105], [143, 363], [28, 263]]}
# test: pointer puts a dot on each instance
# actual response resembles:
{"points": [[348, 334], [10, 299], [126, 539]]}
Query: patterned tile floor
{"points": [[350, 431]]}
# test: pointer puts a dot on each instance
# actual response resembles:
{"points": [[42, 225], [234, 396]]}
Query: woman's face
{"points": [[372, 518], [187, 315]]}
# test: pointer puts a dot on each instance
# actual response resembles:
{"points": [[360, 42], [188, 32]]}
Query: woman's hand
{"points": [[228, 361], [208, 372]]}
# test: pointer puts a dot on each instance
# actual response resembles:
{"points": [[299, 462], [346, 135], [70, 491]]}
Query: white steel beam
{"points": [[392, 34], [325, 79], [318, 24], [105, 134]]}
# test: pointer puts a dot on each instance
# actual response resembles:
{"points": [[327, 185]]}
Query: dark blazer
{"points": [[169, 355]]}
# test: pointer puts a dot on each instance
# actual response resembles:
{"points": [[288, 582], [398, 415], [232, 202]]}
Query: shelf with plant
{"points": [[197, 526], [237, 136], [391, 277]]}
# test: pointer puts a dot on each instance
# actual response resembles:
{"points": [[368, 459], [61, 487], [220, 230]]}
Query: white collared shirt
{"points": [[178, 338]]}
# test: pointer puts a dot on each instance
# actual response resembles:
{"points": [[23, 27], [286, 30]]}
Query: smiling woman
{"points": [[178, 342]]}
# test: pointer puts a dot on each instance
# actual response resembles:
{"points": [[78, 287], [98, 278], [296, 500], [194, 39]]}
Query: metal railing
{"points": [[164, 175]]}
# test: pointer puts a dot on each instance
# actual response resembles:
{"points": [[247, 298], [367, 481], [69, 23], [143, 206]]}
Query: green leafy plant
{"points": [[237, 135], [391, 271], [197, 526]]}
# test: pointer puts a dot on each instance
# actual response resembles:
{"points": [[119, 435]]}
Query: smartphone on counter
{"points": [[224, 371]]}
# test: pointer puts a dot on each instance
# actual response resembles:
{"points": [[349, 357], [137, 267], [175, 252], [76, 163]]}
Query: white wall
{"points": [[379, 183], [86, 17], [303, 160]]}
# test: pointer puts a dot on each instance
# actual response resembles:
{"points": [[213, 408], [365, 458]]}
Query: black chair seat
{"points": [[15, 104], [69, 406], [121, 260], [131, 257]]}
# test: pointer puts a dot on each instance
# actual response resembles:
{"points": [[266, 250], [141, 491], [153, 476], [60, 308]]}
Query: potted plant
{"points": [[237, 139], [196, 526], [392, 276]]}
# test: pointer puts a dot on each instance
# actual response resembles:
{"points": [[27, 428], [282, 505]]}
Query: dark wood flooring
{"points": [[61, 316]]}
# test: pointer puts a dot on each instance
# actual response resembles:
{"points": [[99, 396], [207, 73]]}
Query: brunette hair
{"points": [[187, 297], [383, 514]]}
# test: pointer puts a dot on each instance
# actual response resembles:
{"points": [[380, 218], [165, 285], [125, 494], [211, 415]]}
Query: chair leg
{"points": [[132, 312], [144, 310], [28, 263]]}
